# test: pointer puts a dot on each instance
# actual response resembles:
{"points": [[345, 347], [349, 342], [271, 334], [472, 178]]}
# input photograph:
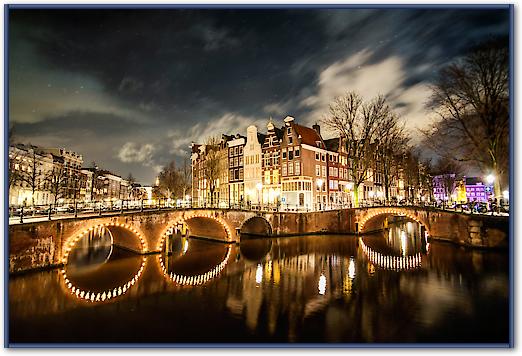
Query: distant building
{"points": [[476, 190], [271, 166], [444, 186], [253, 166], [236, 186], [303, 167]]}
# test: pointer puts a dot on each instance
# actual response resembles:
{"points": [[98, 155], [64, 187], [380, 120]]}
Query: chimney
{"points": [[317, 129]]}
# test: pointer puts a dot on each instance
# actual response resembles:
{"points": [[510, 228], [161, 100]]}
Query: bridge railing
{"points": [[19, 214]]}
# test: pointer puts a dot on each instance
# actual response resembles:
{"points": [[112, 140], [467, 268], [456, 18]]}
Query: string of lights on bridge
{"points": [[72, 241], [195, 279], [168, 230], [395, 263], [106, 295]]}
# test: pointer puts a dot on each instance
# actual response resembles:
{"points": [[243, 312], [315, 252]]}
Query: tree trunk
{"points": [[356, 196]]}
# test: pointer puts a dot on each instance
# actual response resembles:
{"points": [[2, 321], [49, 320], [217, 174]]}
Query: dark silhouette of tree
{"points": [[56, 182], [471, 99], [362, 123]]}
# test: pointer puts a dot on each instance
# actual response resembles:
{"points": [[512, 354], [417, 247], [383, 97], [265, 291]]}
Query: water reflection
{"points": [[196, 265], [92, 250], [299, 289]]}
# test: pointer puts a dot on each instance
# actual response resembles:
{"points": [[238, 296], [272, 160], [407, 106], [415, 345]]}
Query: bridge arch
{"points": [[366, 217], [118, 232], [256, 225], [199, 224]]}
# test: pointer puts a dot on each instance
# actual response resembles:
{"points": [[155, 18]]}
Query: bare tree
{"points": [[132, 181], [14, 173], [393, 141], [471, 98], [169, 180], [56, 182], [212, 165], [360, 123], [32, 175], [95, 182], [448, 173], [185, 178]]}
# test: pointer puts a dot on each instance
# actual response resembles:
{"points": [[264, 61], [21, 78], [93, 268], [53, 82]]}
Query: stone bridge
{"points": [[48, 243]]}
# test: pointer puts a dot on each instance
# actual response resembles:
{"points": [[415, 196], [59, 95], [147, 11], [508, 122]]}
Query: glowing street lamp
{"points": [[490, 179], [505, 194], [259, 186], [319, 183]]}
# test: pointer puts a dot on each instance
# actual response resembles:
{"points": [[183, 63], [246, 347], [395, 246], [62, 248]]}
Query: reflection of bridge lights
{"points": [[72, 241], [351, 269], [403, 242], [197, 279], [105, 295], [259, 274], [391, 262], [185, 246], [322, 284], [191, 216]]}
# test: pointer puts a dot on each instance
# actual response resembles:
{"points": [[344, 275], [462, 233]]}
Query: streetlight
{"points": [[490, 179], [259, 186], [320, 185]]}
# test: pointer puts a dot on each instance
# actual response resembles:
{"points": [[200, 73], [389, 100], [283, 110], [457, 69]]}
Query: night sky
{"points": [[131, 89]]}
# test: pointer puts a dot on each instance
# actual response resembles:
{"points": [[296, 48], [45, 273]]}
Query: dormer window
{"points": [[318, 143], [289, 131]]}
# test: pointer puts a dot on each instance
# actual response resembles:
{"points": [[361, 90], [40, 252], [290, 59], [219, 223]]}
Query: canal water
{"points": [[389, 287]]}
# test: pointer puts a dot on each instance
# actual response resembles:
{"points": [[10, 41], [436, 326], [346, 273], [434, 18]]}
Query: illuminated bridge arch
{"points": [[256, 225], [122, 235], [199, 224], [199, 279], [366, 217]]}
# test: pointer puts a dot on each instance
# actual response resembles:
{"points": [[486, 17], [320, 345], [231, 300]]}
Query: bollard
{"points": [[22, 215], [50, 209], [75, 209], [141, 209]]}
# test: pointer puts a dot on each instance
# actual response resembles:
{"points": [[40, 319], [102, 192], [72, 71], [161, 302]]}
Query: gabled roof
{"points": [[332, 144], [278, 133], [474, 181], [308, 135], [261, 138]]}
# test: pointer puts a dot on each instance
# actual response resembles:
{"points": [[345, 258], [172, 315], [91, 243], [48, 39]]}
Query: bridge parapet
{"points": [[46, 243]]}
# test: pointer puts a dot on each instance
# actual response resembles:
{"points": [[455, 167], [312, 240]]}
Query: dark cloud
{"points": [[134, 77]]}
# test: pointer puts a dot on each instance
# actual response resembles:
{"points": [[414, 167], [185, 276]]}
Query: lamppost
{"points": [[319, 185], [259, 186], [371, 194], [349, 186], [490, 179]]}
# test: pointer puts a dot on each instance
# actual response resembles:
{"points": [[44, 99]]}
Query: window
{"points": [[240, 160], [284, 169], [241, 173], [236, 174], [324, 171], [317, 156], [276, 176], [297, 168], [330, 171], [323, 157], [290, 154], [236, 161], [296, 152], [290, 168], [290, 140], [317, 170], [231, 173], [267, 177], [335, 171], [284, 154], [240, 150]]}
